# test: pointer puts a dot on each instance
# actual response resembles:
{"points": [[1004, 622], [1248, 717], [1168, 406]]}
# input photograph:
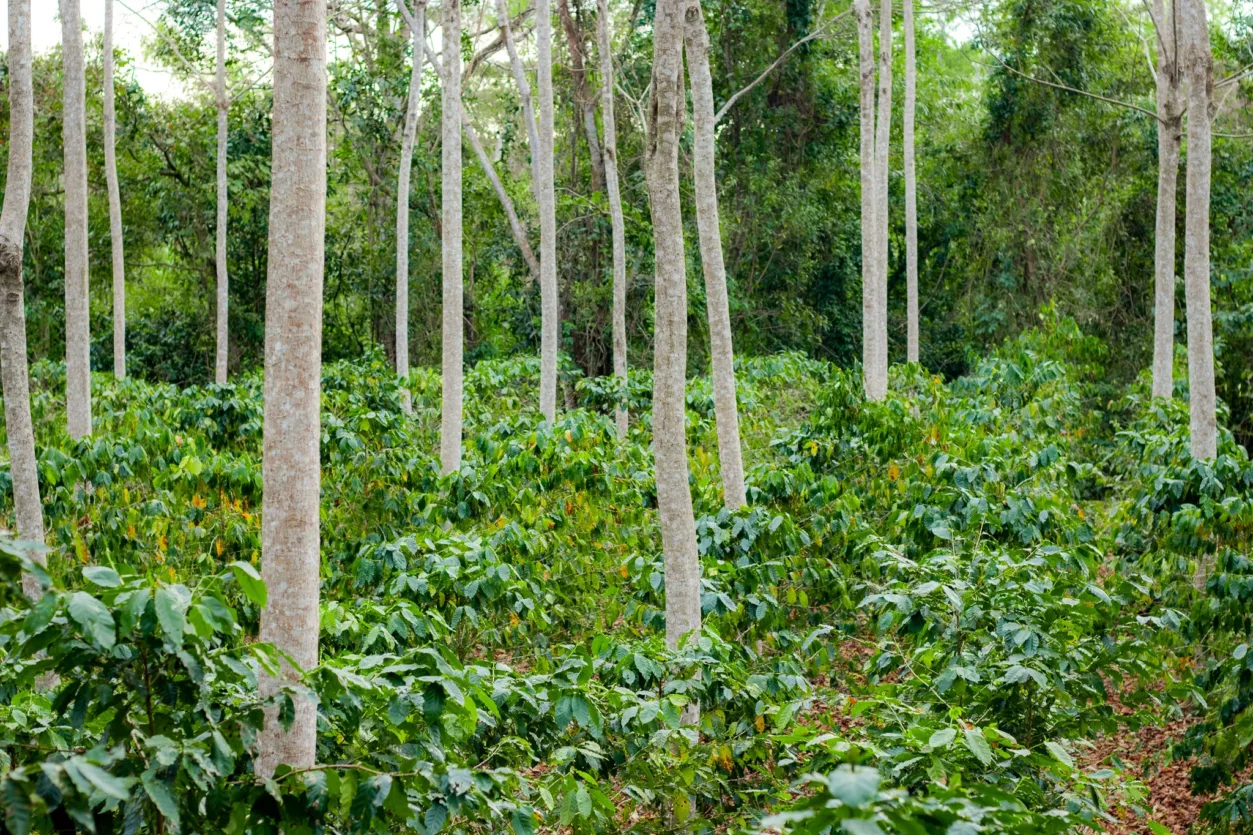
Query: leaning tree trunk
{"points": [[13, 374], [1200, 74], [869, 200], [293, 347], [1169, 137], [617, 227], [453, 324], [911, 190], [524, 94], [674, 496], [74, 138], [726, 412], [550, 322], [418, 26], [506, 202], [115, 201], [879, 326], [223, 107]]}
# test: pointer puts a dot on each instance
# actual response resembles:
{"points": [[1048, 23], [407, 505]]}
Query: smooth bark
{"points": [[1169, 138], [524, 94], [1199, 71], [418, 30], [290, 547], [877, 372], [869, 200], [222, 352], [74, 138], [550, 322], [674, 497], [911, 189], [726, 412], [453, 313], [617, 227], [115, 201], [14, 377]]}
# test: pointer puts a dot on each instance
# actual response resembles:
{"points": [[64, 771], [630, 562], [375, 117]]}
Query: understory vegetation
{"points": [[931, 609]]}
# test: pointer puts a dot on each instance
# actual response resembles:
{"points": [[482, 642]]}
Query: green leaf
{"points": [[523, 821], [106, 783], [584, 801], [978, 745], [856, 826], [942, 737], [171, 606], [95, 619], [159, 793], [853, 786], [1157, 829], [250, 582], [1062, 755], [102, 576]]}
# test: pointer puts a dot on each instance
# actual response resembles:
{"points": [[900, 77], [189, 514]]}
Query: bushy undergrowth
{"points": [[930, 607]]}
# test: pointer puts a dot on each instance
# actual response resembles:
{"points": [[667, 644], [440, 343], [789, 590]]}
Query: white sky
{"points": [[129, 32]]}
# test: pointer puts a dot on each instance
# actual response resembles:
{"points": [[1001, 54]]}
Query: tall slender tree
{"points": [[453, 314], [74, 138], [583, 93], [877, 374], [616, 225], [1169, 138], [115, 201], [290, 541], [911, 188], [674, 496], [869, 197], [1199, 71], [550, 313], [417, 27], [222, 352], [524, 94], [726, 411], [13, 363]]}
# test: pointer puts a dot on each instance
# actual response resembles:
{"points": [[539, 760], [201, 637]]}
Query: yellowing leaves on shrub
{"points": [[198, 502], [894, 472]]}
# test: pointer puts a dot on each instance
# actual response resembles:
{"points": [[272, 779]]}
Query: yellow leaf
{"points": [[623, 571], [130, 531], [220, 547], [894, 472], [760, 723]]}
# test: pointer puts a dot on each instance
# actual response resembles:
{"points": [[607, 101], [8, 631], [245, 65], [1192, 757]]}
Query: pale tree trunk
{"points": [[674, 496], [879, 326], [1199, 70], [290, 546], [550, 321], [223, 108], [617, 227], [1169, 137], [869, 199], [524, 94], [74, 138], [583, 92], [911, 189], [115, 201], [726, 412], [453, 314], [506, 202], [418, 27], [13, 374]]}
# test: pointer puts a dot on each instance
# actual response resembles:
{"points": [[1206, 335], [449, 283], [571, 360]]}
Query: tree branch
{"points": [[1074, 90]]}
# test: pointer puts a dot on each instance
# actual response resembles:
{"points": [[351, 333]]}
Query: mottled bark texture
{"points": [[911, 188], [726, 412], [674, 497], [869, 199], [13, 364], [1169, 138], [115, 201], [617, 228], [877, 372], [550, 321], [453, 313], [583, 93], [290, 546], [417, 26], [1199, 70], [222, 352], [74, 139]]}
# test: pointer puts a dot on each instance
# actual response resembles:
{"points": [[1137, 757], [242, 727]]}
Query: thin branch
{"points": [[1074, 90], [195, 73]]}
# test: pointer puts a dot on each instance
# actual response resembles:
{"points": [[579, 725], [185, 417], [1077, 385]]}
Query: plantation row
{"points": [[931, 605]]}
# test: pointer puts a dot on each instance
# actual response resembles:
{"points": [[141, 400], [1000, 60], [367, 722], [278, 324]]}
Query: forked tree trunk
{"points": [[674, 497], [726, 412], [883, 113], [911, 189], [869, 198], [115, 201], [1200, 74], [418, 28], [222, 353], [617, 227], [1169, 137], [524, 94], [293, 347], [453, 313], [550, 322], [74, 138], [13, 369]]}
